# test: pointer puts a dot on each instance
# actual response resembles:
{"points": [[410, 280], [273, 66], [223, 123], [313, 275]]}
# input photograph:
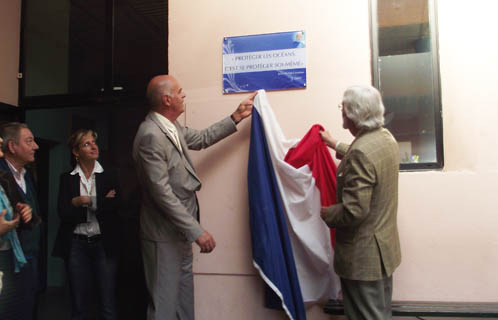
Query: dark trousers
{"points": [[30, 275], [367, 300], [11, 297], [91, 274]]}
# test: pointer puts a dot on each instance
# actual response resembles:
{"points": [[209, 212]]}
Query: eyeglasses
{"points": [[340, 106]]}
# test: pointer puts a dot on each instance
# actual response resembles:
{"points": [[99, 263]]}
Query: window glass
{"points": [[140, 43], [63, 47], [85, 51], [407, 74]]}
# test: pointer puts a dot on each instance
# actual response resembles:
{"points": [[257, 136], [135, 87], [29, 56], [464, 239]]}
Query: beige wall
{"points": [[10, 27], [226, 285], [447, 219]]}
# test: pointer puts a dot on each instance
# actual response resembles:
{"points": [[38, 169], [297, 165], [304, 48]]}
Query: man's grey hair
{"points": [[156, 92], [363, 106], [10, 132]]}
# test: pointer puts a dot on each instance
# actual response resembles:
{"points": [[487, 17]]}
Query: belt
{"points": [[86, 238]]}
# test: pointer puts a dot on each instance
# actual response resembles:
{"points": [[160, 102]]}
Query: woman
{"points": [[11, 255], [88, 239]]}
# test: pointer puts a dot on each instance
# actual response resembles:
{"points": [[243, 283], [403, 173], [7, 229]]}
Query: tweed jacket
{"points": [[365, 215], [169, 210]]}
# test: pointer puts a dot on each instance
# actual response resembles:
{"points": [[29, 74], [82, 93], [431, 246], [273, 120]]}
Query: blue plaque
{"points": [[271, 61]]}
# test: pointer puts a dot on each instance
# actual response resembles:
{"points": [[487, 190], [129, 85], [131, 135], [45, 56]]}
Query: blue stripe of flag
{"points": [[271, 246]]}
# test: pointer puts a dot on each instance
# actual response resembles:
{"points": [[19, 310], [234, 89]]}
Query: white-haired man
{"points": [[367, 243]]}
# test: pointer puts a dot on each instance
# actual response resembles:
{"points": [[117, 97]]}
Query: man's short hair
{"points": [[10, 131], [363, 106]]}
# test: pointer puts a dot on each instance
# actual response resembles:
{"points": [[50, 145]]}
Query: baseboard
{"points": [[430, 309]]}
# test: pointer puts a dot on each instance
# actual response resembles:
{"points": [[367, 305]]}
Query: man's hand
{"points": [[327, 138], [25, 211], [206, 242], [6, 226], [245, 108], [323, 212], [82, 201]]}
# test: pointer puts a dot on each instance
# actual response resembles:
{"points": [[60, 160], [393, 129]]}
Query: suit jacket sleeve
{"points": [[341, 149], [359, 180], [67, 212], [200, 139], [152, 157], [106, 182]]}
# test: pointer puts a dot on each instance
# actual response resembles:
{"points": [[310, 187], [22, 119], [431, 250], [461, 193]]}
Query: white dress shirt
{"points": [[170, 127]]}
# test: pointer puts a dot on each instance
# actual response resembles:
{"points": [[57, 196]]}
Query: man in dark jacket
{"points": [[19, 149]]}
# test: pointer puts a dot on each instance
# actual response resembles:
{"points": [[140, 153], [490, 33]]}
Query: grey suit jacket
{"points": [[169, 210], [367, 203]]}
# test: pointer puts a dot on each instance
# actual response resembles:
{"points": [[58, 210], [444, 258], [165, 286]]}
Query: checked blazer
{"points": [[367, 241]]}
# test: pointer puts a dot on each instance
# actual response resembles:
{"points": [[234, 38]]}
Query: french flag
{"points": [[288, 181]]}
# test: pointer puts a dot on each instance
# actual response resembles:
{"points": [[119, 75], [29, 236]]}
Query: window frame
{"points": [[438, 116]]}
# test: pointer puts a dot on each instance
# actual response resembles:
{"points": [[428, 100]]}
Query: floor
{"points": [[55, 305]]}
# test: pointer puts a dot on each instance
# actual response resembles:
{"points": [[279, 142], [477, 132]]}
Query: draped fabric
{"points": [[313, 152], [291, 244], [272, 251]]}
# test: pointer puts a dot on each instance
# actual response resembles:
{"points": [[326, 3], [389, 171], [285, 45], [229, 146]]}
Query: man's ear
{"points": [[10, 146], [166, 99]]}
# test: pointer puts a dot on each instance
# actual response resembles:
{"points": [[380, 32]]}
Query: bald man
{"points": [[169, 216]]}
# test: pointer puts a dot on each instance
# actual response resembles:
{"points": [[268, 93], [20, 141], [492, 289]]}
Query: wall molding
{"points": [[430, 309]]}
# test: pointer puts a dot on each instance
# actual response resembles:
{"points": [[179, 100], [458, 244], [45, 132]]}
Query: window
{"points": [[406, 72], [90, 51]]}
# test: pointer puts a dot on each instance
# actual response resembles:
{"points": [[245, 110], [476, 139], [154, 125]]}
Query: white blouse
{"points": [[88, 187]]}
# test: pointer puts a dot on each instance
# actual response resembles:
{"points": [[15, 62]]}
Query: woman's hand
{"points": [[6, 226], [82, 201], [111, 194]]}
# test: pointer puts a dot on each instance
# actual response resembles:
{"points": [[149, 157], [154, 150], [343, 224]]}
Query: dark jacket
{"points": [[70, 216], [13, 192], [29, 233]]}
